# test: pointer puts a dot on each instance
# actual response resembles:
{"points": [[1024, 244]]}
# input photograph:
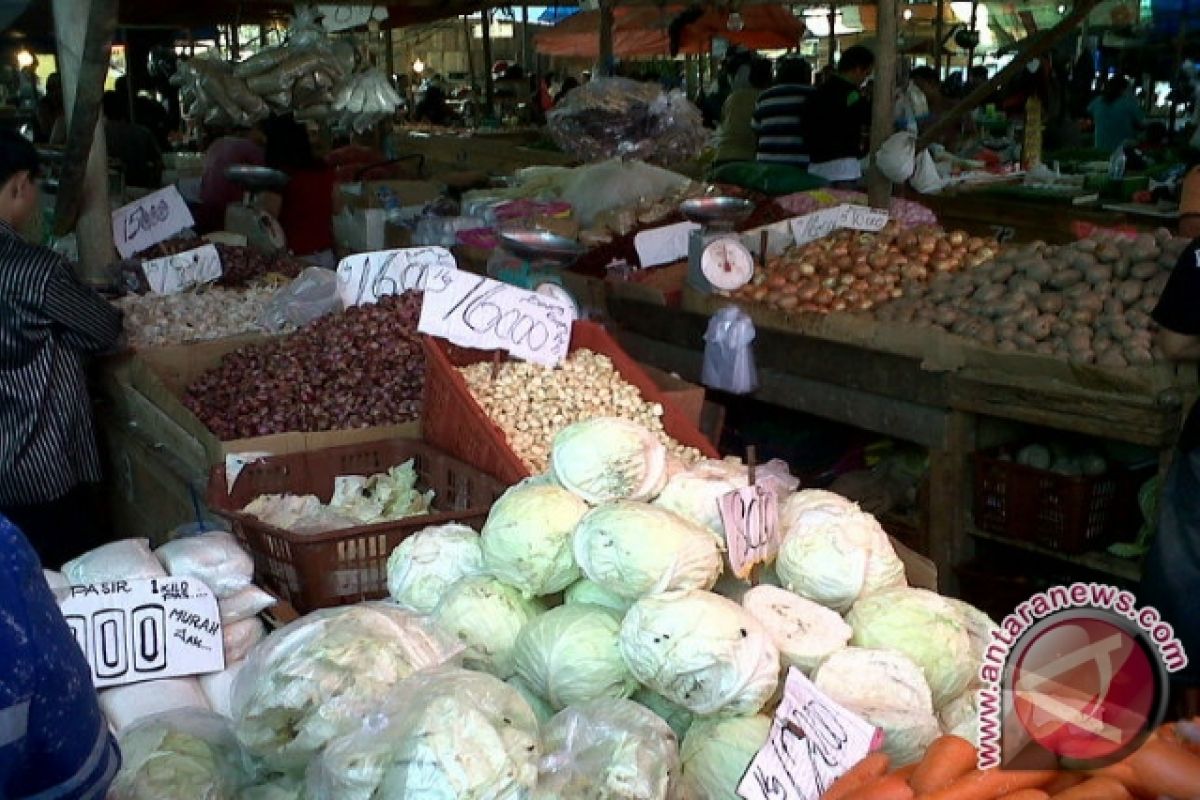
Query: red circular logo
{"points": [[1085, 687]]}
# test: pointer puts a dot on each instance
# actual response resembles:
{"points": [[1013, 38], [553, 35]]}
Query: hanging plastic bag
{"points": [[896, 158], [314, 293], [728, 352], [925, 178]]}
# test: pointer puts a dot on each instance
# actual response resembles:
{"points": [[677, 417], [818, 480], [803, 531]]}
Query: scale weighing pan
{"points": [[254, 178], [709, 210], [536, 245]]}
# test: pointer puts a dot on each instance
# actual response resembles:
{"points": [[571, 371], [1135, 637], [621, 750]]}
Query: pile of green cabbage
{"points": [[179, 755]]}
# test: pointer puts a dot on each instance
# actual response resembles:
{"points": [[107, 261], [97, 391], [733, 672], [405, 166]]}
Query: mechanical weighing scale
{"points": [[262, 231], [543, 254], [717, 259]]}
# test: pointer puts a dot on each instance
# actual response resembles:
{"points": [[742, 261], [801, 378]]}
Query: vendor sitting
{"points": [[304, 207]]}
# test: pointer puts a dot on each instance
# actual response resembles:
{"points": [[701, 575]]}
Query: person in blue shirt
{"points": [[1117, 115], [54, 740]]}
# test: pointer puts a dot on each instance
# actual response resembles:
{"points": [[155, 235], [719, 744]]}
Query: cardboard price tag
{"points": [[172, 274], [473, 311], [663, 245], [146, 222], [813, 742], [138, 630], [366, 277], [750, 516]]}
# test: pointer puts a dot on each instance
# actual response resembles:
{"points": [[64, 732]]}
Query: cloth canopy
{"points": [[645, 31]]}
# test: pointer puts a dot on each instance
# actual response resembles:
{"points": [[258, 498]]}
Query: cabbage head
{"points": [[427, 563], [675, 715], [179, 755], [923, 626], [570, 655], [694, 494], [701, 651], [443, 734], [961, 716], [486, 616], [805, 632], [979, 628], [609, 458], [318, 677], [541, 709], [807, 501], [636, 549], [716, 753], [608, 750], [834, 558], [587, 591], [889, 691], [527, 539]]}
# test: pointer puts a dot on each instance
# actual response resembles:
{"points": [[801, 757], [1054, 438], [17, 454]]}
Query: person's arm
{"points": [[1179, 334], [91, 324], [1178, 346]]}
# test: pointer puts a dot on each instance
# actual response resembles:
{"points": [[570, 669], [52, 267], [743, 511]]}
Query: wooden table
{"points": [[981, 213], [950, 413]]}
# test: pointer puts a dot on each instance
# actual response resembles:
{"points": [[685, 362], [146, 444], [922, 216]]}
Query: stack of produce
{"points": [[532, 403], [850, 270], [1088, 302], [360, 368], [204, 314]]}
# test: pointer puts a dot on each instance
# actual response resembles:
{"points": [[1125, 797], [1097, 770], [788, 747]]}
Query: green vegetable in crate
{"points": [[716, 753], [527, 538], [427, 563], [570, 654], [486, 616]]}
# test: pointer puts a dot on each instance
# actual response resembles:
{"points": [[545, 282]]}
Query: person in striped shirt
{"points": [[49, 323], [779, 115]]}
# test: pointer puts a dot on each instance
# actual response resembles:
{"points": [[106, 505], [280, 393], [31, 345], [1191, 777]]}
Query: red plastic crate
{"points": [[454, 422], [317, 570]]}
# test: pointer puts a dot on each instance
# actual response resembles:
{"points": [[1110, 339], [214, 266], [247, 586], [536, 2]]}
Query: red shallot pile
{"points": [[356, 369], [855, 271]]}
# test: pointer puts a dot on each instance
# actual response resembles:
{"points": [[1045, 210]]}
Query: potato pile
{"points": [[851, 270], [1089, 301]]}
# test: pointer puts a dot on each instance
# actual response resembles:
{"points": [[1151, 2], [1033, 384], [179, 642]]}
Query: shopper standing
{"points": [[839, 115], [1172, 571], [54, 741], [49, 323], [735, 136], [1117, 115]]}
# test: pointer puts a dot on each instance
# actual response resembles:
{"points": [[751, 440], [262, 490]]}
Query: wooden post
{"points": [[468, 44], [879, 188], [526, 63], [389, 53], [235, 43], [605, 67], [939, 33], [833, 36], [489, 84], [84, 30]]}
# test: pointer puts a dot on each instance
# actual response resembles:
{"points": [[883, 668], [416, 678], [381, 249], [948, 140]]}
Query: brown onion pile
{"points": [[356, 369], [856, 271]]}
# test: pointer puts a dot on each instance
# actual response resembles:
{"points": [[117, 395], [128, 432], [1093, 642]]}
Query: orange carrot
{"points": [[890, 787], [906, 772], [1096, 789], [865, 772], [947, 759], [991, 784], [1027, 794], [1157, 768], [1063, 781]]}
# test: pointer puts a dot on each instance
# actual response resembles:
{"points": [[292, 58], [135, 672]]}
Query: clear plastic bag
{"points": [[443, 734], [125, 559], [180, 755], [214, 557], [896, 157], [127, 705], [617, 184], [612, 749], [313, 294], [729, 353], [317, 678]]}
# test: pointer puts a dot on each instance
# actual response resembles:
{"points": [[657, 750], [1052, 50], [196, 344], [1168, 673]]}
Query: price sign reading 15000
{"points": [[474, 311]]}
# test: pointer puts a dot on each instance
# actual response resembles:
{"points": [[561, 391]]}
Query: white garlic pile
{"points": [[208, 313], [532, 403]]}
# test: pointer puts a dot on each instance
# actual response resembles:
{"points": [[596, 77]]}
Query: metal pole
{"points": [[833, 35], [489, 84], [605, 67], [468, 44], [879, 188], [939, 33], [971, 51]]}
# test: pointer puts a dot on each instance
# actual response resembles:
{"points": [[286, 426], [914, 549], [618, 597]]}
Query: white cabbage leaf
{"points": [[319, 676], [486, 616], [427, 563], [527, 539], [608, 750], [694, 494], [569, 655], [702, 651], [178, 755], [805, 632], [887, 690], [609, 458], [716, 753], [443, 734], [922, 625], [588, 591], [675, 715], [636, 549]]}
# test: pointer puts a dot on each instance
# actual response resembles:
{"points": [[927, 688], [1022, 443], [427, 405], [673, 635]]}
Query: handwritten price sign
{"points": [[366, 277], [473, 311], [751, 519], [178, 272], [138, 630], [144, 223], [820, 224], [813, 742]]}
